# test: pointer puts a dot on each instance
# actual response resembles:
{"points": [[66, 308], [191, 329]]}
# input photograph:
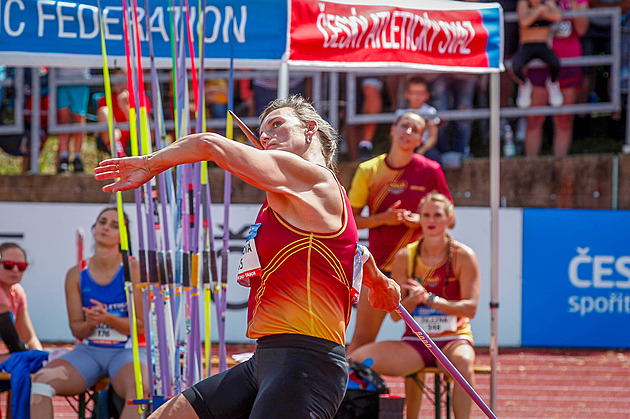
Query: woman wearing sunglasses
{"points": [[13, 308]]}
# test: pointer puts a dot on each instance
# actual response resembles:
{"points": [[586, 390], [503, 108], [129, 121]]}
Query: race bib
{"points": [[433, 321], [249, 266], [357, 275], [106, 335], [360, 257]]}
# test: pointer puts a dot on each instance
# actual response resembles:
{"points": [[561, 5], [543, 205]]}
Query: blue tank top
{"points": [[112, 295]]}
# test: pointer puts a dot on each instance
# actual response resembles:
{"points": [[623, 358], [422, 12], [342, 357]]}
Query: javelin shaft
{"points": [[446, 363], [124, 239]]}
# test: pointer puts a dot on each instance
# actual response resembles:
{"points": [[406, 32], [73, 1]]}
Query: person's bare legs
{"points": [[397, 359], [64, 378], [176, 408], [563, 125], [372, 103], [78, 137], [533, 137], [462, 356], [124, 384], [394, 84], [63, 117], [351, 136], [413, 396], [368, 324]]}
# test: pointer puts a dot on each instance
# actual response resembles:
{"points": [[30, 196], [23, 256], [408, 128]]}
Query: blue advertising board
{"points": [[59, 32], [576, 278]]}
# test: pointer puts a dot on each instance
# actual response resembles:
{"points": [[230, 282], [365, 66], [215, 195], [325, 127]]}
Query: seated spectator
{"points": [[16, 328], [72, 104], [372, 103], [535, 18], [596, 80], [438, 276], [216, 93], [120, 113], [417, 95], [120, 106], [454, 91], [265, 88], [566, 44], [19, 145], [98, 316]]}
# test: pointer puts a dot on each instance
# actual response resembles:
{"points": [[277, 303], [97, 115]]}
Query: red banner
{"points": [[451, 35]]}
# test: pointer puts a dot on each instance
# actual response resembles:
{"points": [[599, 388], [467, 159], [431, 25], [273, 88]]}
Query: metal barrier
{"points": [[326, 93], [164, 78], [613, 60], [17, 84]]}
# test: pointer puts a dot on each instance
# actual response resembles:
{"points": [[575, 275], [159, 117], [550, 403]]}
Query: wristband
{"points": [[431, 299]]}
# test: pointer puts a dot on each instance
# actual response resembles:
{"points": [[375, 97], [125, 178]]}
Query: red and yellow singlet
{"points": [[305, 280]]}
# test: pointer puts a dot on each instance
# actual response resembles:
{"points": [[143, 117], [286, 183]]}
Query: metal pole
{"points": [[495, 192], [35, 122], [626, 147], [283, 79], [333, 99], [615, 182]]}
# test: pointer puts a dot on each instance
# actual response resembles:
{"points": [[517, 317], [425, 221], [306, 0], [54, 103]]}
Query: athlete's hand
{"points": [[385, 295], [132, 171], [393, 215], [416, 292], [95, 314], [411, 219]]}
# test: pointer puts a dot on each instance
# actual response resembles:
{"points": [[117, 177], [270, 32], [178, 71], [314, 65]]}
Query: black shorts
{"points": [[289, 376]]}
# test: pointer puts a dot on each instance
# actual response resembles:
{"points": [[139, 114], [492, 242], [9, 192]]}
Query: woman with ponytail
{"points": [[439, 278]]}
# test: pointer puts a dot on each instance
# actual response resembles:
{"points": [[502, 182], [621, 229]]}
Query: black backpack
{"points": [[362, 403]]}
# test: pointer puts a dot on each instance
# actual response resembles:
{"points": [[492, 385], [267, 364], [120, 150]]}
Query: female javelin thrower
{"points": [[304, 247]]}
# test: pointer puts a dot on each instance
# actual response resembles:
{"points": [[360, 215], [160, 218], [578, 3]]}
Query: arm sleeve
{"points": [[359, 192], [9, 334]]}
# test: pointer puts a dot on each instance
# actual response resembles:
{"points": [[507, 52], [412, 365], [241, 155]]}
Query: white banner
{"points": [[47, 231]]}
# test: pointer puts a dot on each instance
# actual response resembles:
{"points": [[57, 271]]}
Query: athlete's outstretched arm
{"points": [[269, 170]]}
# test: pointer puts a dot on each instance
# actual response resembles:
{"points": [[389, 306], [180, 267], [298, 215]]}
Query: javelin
{"points": [[122, 227], [248, 132], [422, 335]]}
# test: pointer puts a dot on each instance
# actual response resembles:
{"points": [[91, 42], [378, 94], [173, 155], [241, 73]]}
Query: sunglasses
{"points": [[9, 264]]}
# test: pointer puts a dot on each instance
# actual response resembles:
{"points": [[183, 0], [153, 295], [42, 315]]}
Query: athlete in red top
{"points": [[297, 371], [441, 286], [312, 307]]}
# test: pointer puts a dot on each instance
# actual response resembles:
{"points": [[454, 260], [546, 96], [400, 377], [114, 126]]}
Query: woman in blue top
{"points": [[97, 313]]}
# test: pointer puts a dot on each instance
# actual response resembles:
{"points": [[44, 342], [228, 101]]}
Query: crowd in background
{"points": [[451, 141]]}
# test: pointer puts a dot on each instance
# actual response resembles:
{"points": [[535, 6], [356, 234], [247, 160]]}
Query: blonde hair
{"points": [[306, 113], [435, 196]]}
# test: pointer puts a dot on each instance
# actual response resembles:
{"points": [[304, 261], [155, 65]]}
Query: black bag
{"points": [[361, 402]]}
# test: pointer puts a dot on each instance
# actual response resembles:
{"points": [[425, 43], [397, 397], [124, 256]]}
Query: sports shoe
{"points": [[524, 98], [77, 165], [64, 165], [555, 94]]}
